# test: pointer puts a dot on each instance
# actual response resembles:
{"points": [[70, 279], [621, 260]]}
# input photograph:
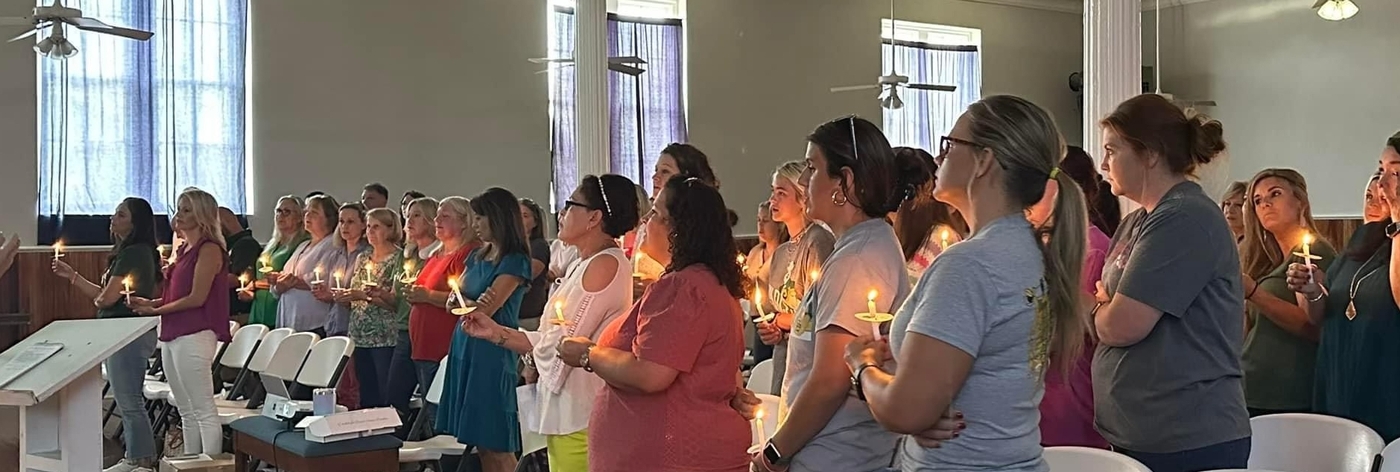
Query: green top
{"points": [[137, 261], [409, 265], [1278, 365], [372, 325], [264, 310], [243, 252]]}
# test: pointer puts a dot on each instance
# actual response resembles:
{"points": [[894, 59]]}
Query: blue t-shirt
{"points": [[978, 297], [481, 273]]}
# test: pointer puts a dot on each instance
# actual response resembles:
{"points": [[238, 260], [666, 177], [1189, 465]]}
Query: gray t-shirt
{"points": [[977, 297], [866, 257], [1179, 388], [790, 273]]}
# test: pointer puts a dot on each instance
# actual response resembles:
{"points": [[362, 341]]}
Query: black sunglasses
{"points": [[571, 203]]}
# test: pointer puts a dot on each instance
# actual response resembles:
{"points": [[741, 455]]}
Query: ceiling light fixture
{"points": [[1336, 10]]}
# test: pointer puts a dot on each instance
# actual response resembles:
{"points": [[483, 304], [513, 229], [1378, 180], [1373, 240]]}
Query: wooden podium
{"points": [[60, 399]]}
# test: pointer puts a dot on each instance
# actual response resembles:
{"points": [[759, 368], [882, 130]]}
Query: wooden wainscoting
{"points": [[31, 288], [1338, 230]]}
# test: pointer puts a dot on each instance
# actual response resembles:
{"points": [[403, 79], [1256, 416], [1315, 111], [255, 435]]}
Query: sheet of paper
{"points": [[28, 359], [527, 399]]}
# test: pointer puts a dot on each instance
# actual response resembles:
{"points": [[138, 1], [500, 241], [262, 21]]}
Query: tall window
{"points": [[647, 110], [937, 55], [146, 119]]}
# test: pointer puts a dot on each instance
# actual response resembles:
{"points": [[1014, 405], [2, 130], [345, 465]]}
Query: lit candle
{"points": [[870, 303], [317, 280], [759, 432], [1307, 249], [337, 280], [758, 305], [559, 310], [456, 289], [740, 259], [945, 240], [266, 263], [814, 274], [57, 249], [164, 251], [243, 283], [369, 274], [126, 285], [407, 277]]}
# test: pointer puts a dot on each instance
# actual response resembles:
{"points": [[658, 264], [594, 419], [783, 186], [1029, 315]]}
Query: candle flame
{"points": [[871, 296], [127, 282], [815, 274], [558, 304], [945, 235], [338, 274], [740, 259], [757, 296], [758, 414], [243, 279], [1307, 238], [452, 282], [318, 271]]}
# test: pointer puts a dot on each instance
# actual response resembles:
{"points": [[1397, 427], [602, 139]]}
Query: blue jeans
{"points": [[1226, 455], [372, 367], [403, 375], [426, 371], [126, 372]]}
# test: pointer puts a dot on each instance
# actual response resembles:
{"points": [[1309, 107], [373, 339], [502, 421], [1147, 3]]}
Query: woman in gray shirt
{"points": [[978, 330]]}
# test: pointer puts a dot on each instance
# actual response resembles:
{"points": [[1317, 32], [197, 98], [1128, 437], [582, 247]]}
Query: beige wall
{"points": [[1294, 90], [344, 93], [760, 71]]}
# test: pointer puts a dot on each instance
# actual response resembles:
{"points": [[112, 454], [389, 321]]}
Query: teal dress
{"points": [[1356, 375], [478, 393]]}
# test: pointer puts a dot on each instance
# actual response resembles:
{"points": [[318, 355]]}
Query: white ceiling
{"points": [[1076, 6]]}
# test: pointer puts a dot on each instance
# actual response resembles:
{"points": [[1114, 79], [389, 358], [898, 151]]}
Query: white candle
{"points": [[369, 274], [57, 249], [265, 262], [243, 283], [1307, 249], [559, 310], [317, 280], [337, 280], [758, 305], [126, 285], [456, 289], [945, 240], [870, 304], [758, 426]]}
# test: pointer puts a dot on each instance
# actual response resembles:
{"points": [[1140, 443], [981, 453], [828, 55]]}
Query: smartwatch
{"points": [[771, 454]]}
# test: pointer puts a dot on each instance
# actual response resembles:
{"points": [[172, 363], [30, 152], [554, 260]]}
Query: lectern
{"points": [[60, 398]]}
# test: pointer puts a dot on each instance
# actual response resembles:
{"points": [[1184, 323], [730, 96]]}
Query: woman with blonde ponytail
{"points": [[978, 331]]}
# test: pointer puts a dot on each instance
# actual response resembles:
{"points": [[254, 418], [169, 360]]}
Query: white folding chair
{"points": [[1390, 457], [769, 412], [432, 449], [236, 355], [257, 363], [1303, 442], [1087, 459], [326, 362], [761, 377], [284, 363]]}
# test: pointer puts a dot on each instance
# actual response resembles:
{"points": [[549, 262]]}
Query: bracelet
{"points": [[583, 360], [1392, 229], [1318, 299], [501, 340], [855, 379], [1250, 296]]}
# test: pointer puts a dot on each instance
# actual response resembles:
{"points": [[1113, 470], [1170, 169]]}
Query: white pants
{"points": [[188, 362]]}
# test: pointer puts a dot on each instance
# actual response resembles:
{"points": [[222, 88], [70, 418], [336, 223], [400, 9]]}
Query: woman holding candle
{"points": [[478, 397], [1167, 377], [1359, 316], [1280, 348], [349, 245], [303, 304], [133, 259], [533, 308], [374, 306], [772, 235], [797, 264], [193, 310], [588, 298], [288, 233], [671, 363], [420, 242], [430, 326], [854, 181], [924, 225]]}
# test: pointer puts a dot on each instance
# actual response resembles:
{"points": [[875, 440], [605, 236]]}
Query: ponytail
{"points": [[1062, 325]]}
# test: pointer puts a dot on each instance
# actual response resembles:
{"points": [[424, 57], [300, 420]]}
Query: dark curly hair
{"points": [[619, 204], [700, 233]]}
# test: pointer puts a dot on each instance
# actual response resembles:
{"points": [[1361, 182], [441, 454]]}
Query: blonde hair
{"points": [[388, 218], [791, 171], [461, 206], [1237, 188], [427, 206], [278, 238], [205, 211], [1024, 139], [1260, 253]]}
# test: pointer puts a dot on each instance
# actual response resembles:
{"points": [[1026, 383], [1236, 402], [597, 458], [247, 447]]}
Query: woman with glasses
{"points": [[287, 234], [588, 297]]}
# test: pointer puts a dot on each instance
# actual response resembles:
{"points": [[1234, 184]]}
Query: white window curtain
{"points": [[647, 111], [146, 119], [928, 115]]}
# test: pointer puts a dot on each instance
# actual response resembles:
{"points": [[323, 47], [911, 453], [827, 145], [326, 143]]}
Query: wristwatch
{"points": [[771, 454], [583, 360], [855, 379]]}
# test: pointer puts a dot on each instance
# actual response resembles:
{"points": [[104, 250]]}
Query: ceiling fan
{"points": [[56, 45], [626, 64], [890, 83], [1157, 69], [1336, 10]]}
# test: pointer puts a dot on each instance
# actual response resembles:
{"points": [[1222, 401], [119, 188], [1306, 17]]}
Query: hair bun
{"points": [[1208, 138]]}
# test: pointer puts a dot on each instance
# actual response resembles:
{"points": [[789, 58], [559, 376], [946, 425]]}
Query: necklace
{"points": [[1356, 283]]}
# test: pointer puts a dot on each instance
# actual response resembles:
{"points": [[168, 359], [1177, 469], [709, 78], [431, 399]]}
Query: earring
{"points": [[842, 201]]}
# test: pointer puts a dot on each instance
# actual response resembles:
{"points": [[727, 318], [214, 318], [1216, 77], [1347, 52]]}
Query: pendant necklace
{"points": [[1356, 283]]}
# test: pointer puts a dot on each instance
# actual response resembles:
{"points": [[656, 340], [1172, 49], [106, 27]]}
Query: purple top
{"points": [[179, 280], [1067, 411]]}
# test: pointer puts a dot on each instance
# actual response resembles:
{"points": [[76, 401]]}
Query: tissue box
{"points": [[200, 463]]}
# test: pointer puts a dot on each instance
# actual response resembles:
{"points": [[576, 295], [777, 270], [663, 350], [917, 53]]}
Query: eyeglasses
{"points": [[571, 203], [945, 144]]}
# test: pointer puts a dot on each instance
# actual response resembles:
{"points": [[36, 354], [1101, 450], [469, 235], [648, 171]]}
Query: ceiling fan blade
{"points": [[936, 88], [626, 60], [549, 60], [552, 68], [29, 33], [853, 88], [97, 26], [626, 69], [16, 21]]}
